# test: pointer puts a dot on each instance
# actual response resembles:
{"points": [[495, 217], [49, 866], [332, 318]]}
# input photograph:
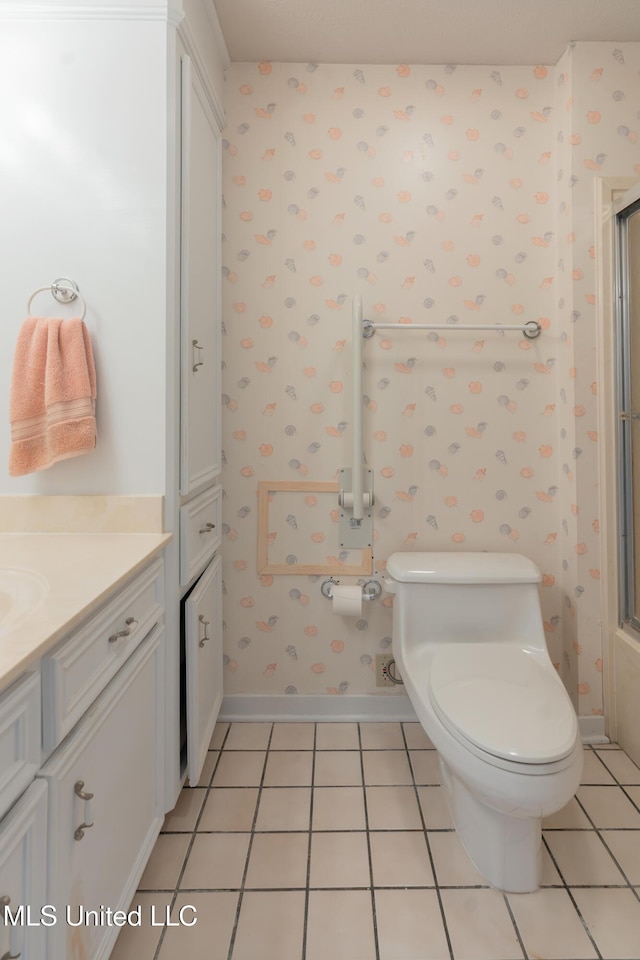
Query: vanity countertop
{"points": [[81, 571]]}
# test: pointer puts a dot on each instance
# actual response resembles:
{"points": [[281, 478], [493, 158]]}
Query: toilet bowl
{"points": [[468, 638]]}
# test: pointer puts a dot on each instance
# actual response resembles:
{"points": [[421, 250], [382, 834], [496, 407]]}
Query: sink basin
{"points": [[21, 592]]}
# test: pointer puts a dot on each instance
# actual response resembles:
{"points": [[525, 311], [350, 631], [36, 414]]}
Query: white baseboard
{"points": [[241, 707], [592, 729], [317, 707]]}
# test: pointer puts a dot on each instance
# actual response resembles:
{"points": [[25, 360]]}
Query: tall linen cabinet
{"points": [[112, 178], [199, 268]]}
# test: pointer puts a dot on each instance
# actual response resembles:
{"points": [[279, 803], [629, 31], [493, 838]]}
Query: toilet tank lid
{"points": [[455, 567]]}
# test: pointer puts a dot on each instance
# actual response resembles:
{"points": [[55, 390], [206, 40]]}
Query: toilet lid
{"points": [[503, 700]]}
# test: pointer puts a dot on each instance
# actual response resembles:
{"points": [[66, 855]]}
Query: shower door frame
{"points": [[628, 594], [609, 192]]}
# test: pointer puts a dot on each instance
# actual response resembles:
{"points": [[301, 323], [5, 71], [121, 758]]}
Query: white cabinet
{"points": [[199, 163], [77, 837], [105, 785], [79, 668], [200, 532], [23, 851], [121, 86], [203, 638], [19, 738], [23, 829], [200, 184]]}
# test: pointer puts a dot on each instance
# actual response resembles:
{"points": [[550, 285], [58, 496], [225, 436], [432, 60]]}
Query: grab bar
{"points": [[358, 442], [531, 329]]}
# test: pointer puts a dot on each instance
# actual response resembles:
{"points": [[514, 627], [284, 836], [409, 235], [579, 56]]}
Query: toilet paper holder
{"points": [[371, 589]]}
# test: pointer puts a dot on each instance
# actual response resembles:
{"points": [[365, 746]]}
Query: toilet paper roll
{"points": [[347, 601]]}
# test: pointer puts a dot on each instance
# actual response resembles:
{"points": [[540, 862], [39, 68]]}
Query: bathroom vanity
{"points": [[93, 695], [81, 738]]}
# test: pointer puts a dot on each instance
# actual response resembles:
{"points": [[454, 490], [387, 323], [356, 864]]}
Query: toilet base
{"points": [[506, 850]]}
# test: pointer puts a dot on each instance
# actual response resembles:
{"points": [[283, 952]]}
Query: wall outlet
{"points": [[382, 670]]}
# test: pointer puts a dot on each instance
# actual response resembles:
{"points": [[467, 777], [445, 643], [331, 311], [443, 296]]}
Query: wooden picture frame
{"points": [[301, 567]]}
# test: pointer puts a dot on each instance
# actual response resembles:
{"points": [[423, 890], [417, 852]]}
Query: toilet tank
{"points": [[449, 597]]}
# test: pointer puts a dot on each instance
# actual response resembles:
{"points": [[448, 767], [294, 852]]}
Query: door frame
{"points": [[609, 192]]}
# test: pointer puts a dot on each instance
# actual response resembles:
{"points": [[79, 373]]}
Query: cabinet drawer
{"points": [[77, 671], [19, 738], [200, 532]]}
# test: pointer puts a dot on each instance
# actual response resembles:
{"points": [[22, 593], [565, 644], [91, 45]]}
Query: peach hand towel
{"points": [[53, 394]]}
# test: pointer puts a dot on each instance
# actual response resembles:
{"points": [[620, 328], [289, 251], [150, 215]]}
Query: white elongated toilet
{"points": [[469, 641]]}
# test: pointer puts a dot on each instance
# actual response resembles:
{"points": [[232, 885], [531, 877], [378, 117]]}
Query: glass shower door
{"points": [[628, 292]]}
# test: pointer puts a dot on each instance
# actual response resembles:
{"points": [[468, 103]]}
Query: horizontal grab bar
{"points": [[531, 329]]}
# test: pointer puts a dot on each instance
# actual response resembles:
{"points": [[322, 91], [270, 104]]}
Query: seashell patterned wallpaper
{"points": [[444, 194]]}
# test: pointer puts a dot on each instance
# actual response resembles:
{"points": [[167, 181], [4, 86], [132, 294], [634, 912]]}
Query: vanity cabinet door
{"points": [[23, 852], [203, 640], [200, 162], [20, 736], [105, 813]]}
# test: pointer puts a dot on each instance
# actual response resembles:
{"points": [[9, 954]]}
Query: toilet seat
{"points": [[504, 700]]}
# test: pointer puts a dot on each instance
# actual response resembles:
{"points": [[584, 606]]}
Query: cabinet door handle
{"points": [[9, 955], [122, 633], [208, 527], [197, 362], [87, 797], [205, 624]]}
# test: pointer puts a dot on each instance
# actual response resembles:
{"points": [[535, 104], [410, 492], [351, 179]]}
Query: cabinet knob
{"points": [[208, 527], [87, 797], [121, 633], [205, 624], [197, 362]]}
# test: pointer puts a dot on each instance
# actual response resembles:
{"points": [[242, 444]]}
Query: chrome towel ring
{"points": [[64, 291]]}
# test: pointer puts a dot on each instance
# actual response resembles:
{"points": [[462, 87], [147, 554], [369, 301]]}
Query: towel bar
{"points": [[64, 291]]}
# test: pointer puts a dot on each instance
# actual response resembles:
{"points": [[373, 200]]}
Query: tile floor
{"points": [[332, 841]]}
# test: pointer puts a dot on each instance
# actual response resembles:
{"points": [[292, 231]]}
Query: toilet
{"points": [[469, 642]]}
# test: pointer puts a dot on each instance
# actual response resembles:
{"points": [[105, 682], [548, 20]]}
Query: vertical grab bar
{"points": [[358, 443], [355, 523]]}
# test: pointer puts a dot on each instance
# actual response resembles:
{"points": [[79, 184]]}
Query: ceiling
{"points": [[420, 31]]}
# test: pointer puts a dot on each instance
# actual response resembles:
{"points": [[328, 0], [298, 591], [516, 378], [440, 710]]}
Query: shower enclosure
{"points": [[627, 228]]}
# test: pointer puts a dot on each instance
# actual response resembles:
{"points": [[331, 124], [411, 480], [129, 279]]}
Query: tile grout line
{"points": [[426, 838], [370, 858], [635, 890], [234, 932], [595, 750], [208, 787], [573, 900], [525, 953], [598, 833], [194, 833], [382, 886], [307, 884], [556, 865]]}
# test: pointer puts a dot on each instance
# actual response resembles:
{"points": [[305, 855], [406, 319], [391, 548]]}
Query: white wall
{"points": [[473, 186], [83, 195], [429, 191]]}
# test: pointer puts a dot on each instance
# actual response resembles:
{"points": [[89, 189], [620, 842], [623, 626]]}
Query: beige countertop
{"points": [[81, 571]]}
